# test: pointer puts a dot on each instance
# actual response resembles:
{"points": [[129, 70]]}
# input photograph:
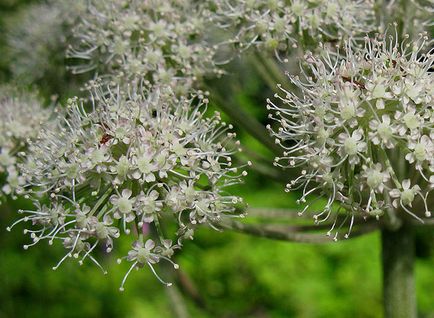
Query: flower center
{"points": [[142, 255], [419, 152], [123, 167], [322, 136], [384, 131], [97, 156], [379, 91], [407, 196], [350, 146], [348, 112], [124, 205], [101, 231], [411, 121], [374, 180], [376, 212], [144, 165]]}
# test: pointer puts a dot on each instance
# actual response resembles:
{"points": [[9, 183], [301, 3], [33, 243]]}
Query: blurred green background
{"points": [[222, 274]]}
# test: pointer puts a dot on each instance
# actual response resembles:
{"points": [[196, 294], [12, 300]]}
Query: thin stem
{"points": [[272, 68], [271, 214], [398, 267], [266, 75], [190, 290], [289, 235], [276, 213], [179, 307], [263, 166]]}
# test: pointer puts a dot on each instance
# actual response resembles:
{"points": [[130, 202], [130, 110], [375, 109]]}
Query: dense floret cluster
{"points": [[278, 25], [130, 40], [362, 129], [37, 37], [21, 116], [143, 163]]}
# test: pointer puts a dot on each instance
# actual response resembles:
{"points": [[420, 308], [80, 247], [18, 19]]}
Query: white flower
{"points": [[408, 120], [121, 169], [36, 39], [375, 177], [377, 87], [103, 231], [361, 117], [142, 157], [351, 146], [349, 103], [406, 195], [21, 117], [149, 207], [123, 206], [128, 41], [421, 150], [382, 132], [279, 25], [148, 253]]}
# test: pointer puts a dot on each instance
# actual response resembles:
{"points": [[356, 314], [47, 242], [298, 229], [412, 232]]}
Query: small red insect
{"points": [[357, 83], [105, 138]]}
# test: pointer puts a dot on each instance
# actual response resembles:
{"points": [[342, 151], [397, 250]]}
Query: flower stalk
{"points": [[398, 249]]}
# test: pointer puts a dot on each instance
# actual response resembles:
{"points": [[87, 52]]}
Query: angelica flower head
{"points": [[362, 129], [36, 39], [278, 25], [135, 160], [127, 40], [21, 116]]}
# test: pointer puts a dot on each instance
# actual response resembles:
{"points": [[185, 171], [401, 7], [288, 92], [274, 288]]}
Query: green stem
{"points": [[398, 266], [101, 200], [265, 75], [291, 235], [177, 302], [277, 73]]}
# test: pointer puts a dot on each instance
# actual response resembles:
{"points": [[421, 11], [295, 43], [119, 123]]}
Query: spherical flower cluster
{"points": [[21, 116], [362, 130], [36, 38], [161, 41], [279, 25], [143, 163]]}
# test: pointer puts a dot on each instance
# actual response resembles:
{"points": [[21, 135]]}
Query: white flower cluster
{"points": [[140, 163], [128, 40], [21, 116], [416, 16], [362, 129], [36, 38], [279, 25]]}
